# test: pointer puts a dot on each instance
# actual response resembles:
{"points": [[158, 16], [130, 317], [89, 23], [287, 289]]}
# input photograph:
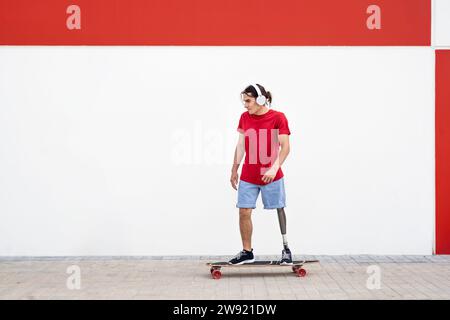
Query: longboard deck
{"points": [[296, 266], [262, 263]]}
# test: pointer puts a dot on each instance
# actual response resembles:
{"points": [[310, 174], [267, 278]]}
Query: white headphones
{"points": [[260, 99]]}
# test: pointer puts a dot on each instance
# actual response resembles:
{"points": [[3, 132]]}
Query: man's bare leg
{"points": [[246, 227]]}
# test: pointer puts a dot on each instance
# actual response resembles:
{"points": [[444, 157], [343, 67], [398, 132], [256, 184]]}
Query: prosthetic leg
{"points": [[282, 221], [286, 253]]}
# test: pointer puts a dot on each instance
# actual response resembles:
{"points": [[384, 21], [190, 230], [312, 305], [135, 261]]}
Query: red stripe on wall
{"points": [[220, 22], [442, 151]]}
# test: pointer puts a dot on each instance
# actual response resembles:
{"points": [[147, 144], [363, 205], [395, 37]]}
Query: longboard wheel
{"points": [[301, 272], [216, 274], [294, 269]]}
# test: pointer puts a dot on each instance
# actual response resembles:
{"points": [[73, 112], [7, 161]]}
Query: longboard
{"points": [[296, 266]]}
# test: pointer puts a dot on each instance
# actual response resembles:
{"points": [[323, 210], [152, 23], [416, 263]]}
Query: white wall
{"points": [[441, 23], [128, 150]]}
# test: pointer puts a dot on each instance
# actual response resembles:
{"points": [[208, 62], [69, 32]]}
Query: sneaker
{"points": [[286, 257], [243, 257]]}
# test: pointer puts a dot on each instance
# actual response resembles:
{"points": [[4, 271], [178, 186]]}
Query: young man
{"points": [[261, 133]]}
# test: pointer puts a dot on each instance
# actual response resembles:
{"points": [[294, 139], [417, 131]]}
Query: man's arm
{"points": [[238, 155], [282, 155], [284, 150], [238, 152]]}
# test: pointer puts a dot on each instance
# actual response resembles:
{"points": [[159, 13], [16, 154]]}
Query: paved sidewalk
{"points": [[336, 277]]}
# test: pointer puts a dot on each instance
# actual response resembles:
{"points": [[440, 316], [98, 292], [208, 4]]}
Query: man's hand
{"points": [[234, 179], [270, 174]]}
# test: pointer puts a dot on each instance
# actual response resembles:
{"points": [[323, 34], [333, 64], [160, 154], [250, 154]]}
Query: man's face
{"points": [[250, 103]]}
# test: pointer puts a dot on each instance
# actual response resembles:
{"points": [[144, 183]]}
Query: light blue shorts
{"points": [[273, 194]]}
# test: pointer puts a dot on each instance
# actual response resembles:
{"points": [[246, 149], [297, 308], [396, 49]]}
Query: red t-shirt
{"points": [[261, 143]]}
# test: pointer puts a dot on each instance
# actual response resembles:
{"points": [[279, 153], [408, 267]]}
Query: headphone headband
{"points": [[258, 91]]}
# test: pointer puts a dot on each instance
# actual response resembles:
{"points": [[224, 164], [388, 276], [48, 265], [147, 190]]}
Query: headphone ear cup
{"points": [[261, 100]]}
